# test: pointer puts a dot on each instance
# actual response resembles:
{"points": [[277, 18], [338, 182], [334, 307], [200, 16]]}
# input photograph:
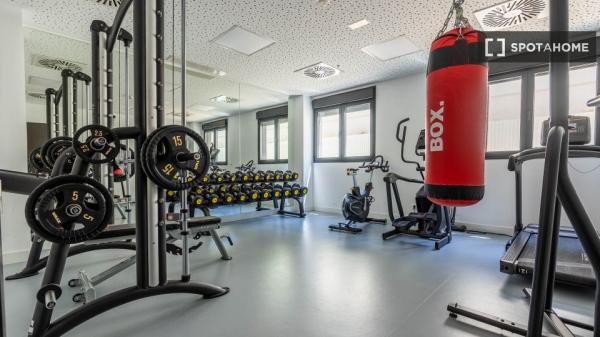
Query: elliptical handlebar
{"points": [[402, 141], [376, 163]]}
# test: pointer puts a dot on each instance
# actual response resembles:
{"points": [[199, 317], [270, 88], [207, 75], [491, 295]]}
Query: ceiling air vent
{"points": [[109, 3], [37, 95], [319, 71], [511, 13], [55, 63]]}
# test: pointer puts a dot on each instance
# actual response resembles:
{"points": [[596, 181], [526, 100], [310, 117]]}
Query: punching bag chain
{"points": [[460, 20]]}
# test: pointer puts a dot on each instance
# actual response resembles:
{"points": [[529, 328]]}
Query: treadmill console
{"points": [[579, 130]]}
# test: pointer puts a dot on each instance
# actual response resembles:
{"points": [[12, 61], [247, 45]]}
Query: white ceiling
{"points": [[305, 33]]}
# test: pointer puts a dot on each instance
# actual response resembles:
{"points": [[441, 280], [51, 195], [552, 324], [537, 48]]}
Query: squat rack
{"points": [[151, 268]]}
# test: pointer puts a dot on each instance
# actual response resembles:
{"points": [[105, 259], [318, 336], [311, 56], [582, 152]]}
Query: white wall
{"points": [[13, 135], [405, 97]]}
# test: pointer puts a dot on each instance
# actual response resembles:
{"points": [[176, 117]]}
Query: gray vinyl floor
{"points": [[294, 277]]}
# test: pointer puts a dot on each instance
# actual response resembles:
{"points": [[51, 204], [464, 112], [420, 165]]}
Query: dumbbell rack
{"points": [[279, 204]]}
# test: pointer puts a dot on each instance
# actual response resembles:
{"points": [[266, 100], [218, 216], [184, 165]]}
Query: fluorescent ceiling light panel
{"points": [[242, 41], [391, 49], [359, 24]]}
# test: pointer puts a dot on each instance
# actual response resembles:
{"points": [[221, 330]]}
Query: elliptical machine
{"points": [[430, 221], [356, 205]]}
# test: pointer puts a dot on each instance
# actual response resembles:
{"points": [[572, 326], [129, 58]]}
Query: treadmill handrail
{"points": [[575, 151]]}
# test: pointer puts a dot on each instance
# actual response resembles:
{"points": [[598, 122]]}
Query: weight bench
{"points": [[119, 237], [199, 227]]}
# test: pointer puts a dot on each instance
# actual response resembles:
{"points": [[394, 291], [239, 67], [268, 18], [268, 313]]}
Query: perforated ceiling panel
{"points": [[305, 33]]}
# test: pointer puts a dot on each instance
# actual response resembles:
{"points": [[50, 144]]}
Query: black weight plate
{"points": [[144, 153], [101, 144], [167, 156], [54, 194], [52, 149]]}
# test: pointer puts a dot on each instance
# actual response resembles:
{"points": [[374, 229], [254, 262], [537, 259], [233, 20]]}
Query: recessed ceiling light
{"points": [[391, 49], [242, 41], [224, 99], [359, 24]]}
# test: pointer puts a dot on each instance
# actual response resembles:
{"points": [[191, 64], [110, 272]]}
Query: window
{"points": [[519, 103], [582, 87], [504, 115], [344, 126], [215, 134], [273, 135], [273, 140]]}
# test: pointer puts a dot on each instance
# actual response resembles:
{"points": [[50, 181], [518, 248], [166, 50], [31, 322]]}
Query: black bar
{"points": [[96, 28], [139, 93], [546, 228], [597, 124], [65, 74], [19, 182], [519, 200], [56, 265], [49, 93], [160, 121], [74, 112], [130, 132], [116, 25], [110, 183], [127, 295], [585, 231]]}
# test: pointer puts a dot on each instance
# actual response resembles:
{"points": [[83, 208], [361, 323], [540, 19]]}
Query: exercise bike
{"points": [[356, 205], [430, 221]]}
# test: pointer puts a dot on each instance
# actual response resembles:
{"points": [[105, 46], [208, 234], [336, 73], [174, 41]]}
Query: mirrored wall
{"points": [[245, 126]]}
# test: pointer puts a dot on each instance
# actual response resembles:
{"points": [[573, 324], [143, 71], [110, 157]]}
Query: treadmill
{"points": [[572, 264]]}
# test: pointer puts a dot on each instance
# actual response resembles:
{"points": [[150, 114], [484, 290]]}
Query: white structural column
{"points": [[13, 128], [300, 157]]}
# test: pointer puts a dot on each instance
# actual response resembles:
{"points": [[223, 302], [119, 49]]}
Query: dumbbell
{"points": [[259, 176], [223, 188], [172, 196], [252, 195], [304, 190], [198, 200], [287, 191], [277, 191], [205, 180], [241, 177], [269, 176], [226, 198], [265, 194], [215, 178], [240, 197], [228, 177], [211, 199], [296, 190]]}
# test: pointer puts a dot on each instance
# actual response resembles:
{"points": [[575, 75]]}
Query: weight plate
{"points": [[53, 148], [171, 162], [96, 144], [69, 209], [35, 159]]}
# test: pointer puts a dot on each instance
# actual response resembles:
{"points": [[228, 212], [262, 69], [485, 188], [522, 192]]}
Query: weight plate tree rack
{"points": [[151, 269], [557, 191]]}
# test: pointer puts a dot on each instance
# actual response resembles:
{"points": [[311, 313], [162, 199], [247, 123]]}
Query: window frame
{"points": [[277, 120], [342, 110], [527, 76], [215, 130]]}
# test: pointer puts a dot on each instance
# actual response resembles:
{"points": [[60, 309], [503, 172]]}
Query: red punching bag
{"points": [[457, 95]]}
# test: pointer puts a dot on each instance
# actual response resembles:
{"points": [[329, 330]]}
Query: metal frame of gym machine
{"points": [[151, 267], [35, 262], [557, 191]]}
